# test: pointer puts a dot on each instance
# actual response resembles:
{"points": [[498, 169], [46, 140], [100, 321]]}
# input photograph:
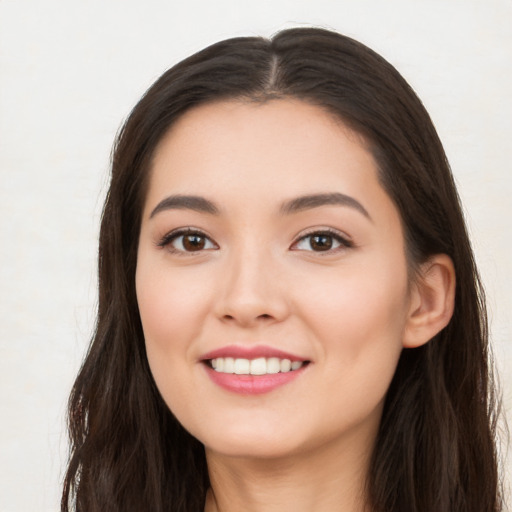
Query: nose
{"points": [[251, 292]]}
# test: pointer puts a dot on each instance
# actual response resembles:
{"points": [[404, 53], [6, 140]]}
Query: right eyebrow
{"points": [[316, 200], [184, 202]]}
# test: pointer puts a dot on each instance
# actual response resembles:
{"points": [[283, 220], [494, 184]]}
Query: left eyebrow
{"points": [[316, 200], [186, 202]]}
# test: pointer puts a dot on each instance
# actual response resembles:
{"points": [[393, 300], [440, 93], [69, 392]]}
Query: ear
{"points": [[432, 301]]}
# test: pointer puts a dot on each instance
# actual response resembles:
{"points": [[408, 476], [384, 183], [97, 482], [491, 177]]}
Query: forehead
{"points": [[246, 144]]}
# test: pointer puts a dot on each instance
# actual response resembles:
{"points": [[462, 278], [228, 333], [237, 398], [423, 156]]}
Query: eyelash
{"points": [[343, 242], [167, 240]]}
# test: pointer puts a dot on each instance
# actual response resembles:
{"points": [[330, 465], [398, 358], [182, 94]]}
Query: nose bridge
{"points": [[251, 290]]}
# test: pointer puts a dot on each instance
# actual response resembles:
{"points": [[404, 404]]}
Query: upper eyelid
{"points": [[175, 233], [344, 240], [323, 230]]}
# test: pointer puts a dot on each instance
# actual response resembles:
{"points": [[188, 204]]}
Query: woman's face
{"points": [[269, 249]]}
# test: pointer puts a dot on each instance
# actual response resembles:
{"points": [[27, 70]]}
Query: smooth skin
{"points": [[328, 282]]}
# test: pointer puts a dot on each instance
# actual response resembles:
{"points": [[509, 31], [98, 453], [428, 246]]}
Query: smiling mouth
{"points": [[258, 366]]}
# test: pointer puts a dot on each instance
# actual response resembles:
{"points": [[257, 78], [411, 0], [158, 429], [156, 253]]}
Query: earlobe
{"points": [[432, 301]]}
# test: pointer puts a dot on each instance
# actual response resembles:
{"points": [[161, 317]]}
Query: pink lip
{"points": [[249, 352], [252, 384]]}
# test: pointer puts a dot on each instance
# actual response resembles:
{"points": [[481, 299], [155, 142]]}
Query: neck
{"points": [[330, 480]]}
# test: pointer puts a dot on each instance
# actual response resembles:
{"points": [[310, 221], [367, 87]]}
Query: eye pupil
{"points": [[193, 242], [321, 242]]}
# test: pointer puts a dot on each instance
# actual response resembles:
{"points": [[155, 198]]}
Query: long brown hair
{"points": [[436, 445]]}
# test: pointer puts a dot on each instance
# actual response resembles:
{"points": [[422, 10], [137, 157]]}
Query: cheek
{"points": [[170, 304], [360, 297], [358, 327], [358, 319]]}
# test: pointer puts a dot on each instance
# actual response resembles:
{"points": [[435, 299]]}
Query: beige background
{"points": [[69, 73]]}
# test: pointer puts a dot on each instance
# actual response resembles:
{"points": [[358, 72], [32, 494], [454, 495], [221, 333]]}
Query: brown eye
{"points": [[187, 241], [321, 242], [193, 242]]}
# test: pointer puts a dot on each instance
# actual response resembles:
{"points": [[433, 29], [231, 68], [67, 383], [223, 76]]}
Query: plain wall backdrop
{"points": [[71, 70]]}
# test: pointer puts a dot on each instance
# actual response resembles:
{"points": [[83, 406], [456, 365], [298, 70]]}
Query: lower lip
{"points": [[252, 384]]}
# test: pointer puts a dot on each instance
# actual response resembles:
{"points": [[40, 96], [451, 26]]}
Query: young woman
{"points": [[290, 316]]}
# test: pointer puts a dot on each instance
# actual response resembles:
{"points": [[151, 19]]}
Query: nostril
{"points": [[242, 319]]}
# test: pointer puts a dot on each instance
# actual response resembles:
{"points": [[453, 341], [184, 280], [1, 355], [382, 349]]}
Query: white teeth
{"points": [[259, 366], [273, 365], [229, 365], [286, 365], [242, 366], [296, 365]]}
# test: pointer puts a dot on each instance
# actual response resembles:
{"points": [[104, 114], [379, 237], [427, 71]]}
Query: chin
{"points": [[257, 443], [246, 449]]}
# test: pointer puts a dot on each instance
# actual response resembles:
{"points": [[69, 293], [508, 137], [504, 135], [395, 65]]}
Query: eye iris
{"points": [[321, 242], [193, 242]]}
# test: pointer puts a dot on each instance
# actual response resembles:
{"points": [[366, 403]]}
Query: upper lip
{"points": [[250, 352]]}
